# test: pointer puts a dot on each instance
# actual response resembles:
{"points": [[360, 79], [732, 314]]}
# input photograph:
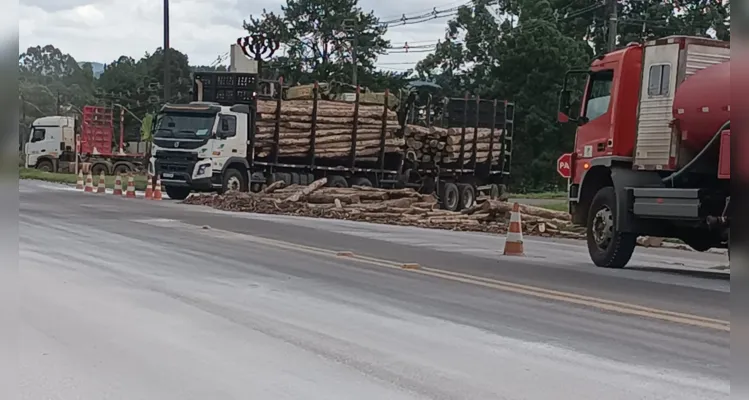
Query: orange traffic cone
{"points": [[514, 241], [149, 188], [79, 182], [130, 192], [157, 190], [102, 188], [117, 191], [89, 183]]}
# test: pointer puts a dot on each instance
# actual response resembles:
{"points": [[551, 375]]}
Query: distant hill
{"points": [[97, 67]]}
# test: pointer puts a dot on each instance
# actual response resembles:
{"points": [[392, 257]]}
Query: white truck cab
{"points": [[196, 144], [49, 139]]}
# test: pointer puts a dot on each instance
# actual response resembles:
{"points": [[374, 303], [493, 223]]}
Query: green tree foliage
{"points": [[521, 58], [316, 37]]}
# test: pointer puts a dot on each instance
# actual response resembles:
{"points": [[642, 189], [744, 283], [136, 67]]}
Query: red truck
{"points": [[652, 147], [53, 139]]}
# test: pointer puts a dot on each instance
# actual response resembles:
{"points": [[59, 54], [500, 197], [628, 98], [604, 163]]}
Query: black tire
{"points": [[306, 179], [285, 177], [450, 197], [45, 166], [608, 248], [177, 193], [122, 169], [494, 192], [97, 169], [361, 181], [467, 195], [337, 181], [233, 180], [295, 179]]}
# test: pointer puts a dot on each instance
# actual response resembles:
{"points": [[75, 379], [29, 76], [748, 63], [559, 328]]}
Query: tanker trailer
{"points": [[652, 148]]}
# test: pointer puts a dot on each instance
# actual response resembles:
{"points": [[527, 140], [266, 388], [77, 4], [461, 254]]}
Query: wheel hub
{"points": [[233, 184], [603, 227]]}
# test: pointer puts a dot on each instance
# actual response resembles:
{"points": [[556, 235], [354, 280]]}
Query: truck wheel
{"points": [[361, 181], [295, 179], [337, 181], [450, 197], [494, 191], [467, 195], [45, 166], [122, 169], [607, 247], [97, 169], [177, 193], [234, 180]]}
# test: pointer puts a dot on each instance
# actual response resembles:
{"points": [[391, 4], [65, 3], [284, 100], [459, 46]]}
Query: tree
{"points": [[522, 58], [316, 36]]}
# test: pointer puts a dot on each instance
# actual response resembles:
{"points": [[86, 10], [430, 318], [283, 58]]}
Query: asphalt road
{"points": [[131, 299]]}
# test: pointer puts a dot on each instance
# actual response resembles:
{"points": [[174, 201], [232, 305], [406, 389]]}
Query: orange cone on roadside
{"points": [[79, 183], [514, 241], [157, 190], [102, 187], [117, 191], [149, 188], [130, 191], [89, 183]]}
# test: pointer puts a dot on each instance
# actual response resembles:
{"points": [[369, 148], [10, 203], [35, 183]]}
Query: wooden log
{"points": [[321, 198], [273, 187], [301, 194]]}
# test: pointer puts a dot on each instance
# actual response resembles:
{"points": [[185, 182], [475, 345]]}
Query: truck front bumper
{"points": [[184, 174]]}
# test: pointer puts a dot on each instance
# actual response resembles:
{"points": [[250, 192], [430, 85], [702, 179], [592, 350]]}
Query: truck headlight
{"points": [[202, 168]]}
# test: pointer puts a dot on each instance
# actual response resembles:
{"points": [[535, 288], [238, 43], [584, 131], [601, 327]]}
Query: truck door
{"points": [[592, 136], [231, 143], [41, 143]]}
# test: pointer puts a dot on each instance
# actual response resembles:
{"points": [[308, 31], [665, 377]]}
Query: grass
{"points": [[540, 195], [70, 179], [556, 206]]}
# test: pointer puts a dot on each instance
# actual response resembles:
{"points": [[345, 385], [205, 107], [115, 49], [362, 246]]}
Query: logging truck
{"points": [[652, 148], [231, 137], [63, 143]]}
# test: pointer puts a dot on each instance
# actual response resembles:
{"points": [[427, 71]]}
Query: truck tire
{"points": [[494, 192], [467, 195], [295, 178], [177, 193], [607, 247], [337, 181], [97, 169], [361, 181], [122, 169], [450, 197], [45, 166], [233, 180]]}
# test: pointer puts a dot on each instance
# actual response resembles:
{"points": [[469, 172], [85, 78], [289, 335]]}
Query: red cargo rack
{"points": [[97, 130]]}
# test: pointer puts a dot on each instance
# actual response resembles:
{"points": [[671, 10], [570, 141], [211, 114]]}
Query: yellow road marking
{"points": [[533, 291]]}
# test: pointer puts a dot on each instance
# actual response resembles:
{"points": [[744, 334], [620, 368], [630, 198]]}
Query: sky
{"points": [[102, 30]]}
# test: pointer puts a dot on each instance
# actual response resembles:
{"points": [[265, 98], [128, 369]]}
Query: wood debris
{"points": [[387, 206]]}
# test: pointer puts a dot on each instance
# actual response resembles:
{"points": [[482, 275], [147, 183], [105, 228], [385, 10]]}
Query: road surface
{"points": [[134, 299]]}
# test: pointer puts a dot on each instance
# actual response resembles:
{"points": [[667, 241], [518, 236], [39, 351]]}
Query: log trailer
{"points": [[652, 147], [210, 145], [53, 141]]}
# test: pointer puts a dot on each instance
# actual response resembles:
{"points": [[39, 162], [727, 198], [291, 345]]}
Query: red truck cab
{"points": [[651, 146]]}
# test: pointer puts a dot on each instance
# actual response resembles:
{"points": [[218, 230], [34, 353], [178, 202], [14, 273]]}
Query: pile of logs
{"points": [[443, 145], [387, 206], [333, 129]]}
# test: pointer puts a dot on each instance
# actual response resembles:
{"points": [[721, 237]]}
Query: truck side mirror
{"points": [[564, 107]]}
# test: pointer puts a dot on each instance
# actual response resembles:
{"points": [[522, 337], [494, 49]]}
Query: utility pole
{"points": [[613, 19], [167, 79], [350, 27]]}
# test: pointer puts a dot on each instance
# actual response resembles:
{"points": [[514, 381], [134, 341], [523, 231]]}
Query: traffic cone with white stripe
{"points": [[514, 241], [130, 191], [79, 182], [157, 189], [117, 191], [102, 187], [89, 183], [149, 187]]}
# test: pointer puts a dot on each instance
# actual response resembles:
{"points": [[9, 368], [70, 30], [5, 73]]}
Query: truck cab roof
{"points": [[54, 120]]}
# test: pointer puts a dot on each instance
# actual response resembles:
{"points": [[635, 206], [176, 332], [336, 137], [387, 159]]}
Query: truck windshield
{"points": [[599, 95], [179, 125]]}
